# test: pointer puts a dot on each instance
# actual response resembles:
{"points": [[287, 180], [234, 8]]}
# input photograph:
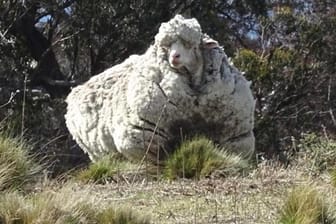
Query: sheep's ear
{"points": [[209, 43]]}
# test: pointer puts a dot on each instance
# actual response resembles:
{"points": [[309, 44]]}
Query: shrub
{"points": [[17, 167], [318, 152], [304, 206], [65, 206], [250, 62], [200, 157]]}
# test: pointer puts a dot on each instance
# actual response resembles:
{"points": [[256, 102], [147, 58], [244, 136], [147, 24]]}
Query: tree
{"points": [[293, 73]]}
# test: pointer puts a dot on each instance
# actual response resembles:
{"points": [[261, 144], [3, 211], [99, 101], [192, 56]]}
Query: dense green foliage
{"points": [[293, 73]]}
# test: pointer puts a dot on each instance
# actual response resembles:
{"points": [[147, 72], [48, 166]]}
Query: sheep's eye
{"points": [[187, 45], [166, 48]]}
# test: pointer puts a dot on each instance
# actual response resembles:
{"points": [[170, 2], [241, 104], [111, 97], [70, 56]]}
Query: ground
{"points": [[254, 193], [254, 198]]}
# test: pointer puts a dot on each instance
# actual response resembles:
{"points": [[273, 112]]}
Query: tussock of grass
{"points": [[104, 170], [16, 166], [65, 206], [119, 216], [304, 205], [200, 157], [319, 153]]}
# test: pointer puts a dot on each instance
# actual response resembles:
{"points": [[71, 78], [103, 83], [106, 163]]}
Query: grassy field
{"points": [[255, 198], [117, 191]]}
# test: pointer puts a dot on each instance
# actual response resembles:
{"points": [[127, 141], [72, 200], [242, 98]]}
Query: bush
{"points": [[200, 157], [318, 152], [17, 167], [65, 206], [305, 206]]}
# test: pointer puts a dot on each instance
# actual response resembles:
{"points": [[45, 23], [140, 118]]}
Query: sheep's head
{"points": [[182, 54], [181, 40]]}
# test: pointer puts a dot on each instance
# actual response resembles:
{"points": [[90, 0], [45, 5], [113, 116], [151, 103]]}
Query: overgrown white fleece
{"points": [[143, 106]]}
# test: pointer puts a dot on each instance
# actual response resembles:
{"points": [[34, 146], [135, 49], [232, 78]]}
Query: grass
{"points": [[318, 153], [197, 158], [105, 170], [333, 177], [63, 206], [305, 205], [200, 157], [252, 198], [120, 216], [17, 167], [259, 196]]}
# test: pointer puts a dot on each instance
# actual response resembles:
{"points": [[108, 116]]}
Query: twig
{"points": [[330, 110], [64, 38], [183, 162], [2, 35], [23, 105], [325, 132], [329, 89], [13, 94], [332, 116], [52, 140], [124, 179], [150, 143]]}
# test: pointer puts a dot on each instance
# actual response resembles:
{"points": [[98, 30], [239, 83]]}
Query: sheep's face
{"points": [[183, 55]]}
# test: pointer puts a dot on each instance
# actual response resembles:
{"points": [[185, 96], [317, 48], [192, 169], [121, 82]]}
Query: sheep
{"points": [[182, 85]]}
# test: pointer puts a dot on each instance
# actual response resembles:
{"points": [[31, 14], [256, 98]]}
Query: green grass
{"points": [[305, 205], [104, 170], [17, 167], [63, 206], [120, 216], [200, 157]]}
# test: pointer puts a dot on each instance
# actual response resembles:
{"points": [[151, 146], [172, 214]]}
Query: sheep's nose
{"points": [[174, 58], [176, 55]]}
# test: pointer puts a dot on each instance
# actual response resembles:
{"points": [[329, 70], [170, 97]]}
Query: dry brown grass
{"points": [[255, 198], [64, 205], [305, 205]]}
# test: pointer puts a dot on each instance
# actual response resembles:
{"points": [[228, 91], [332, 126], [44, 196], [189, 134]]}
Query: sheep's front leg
{"points": [[138, 142]]}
